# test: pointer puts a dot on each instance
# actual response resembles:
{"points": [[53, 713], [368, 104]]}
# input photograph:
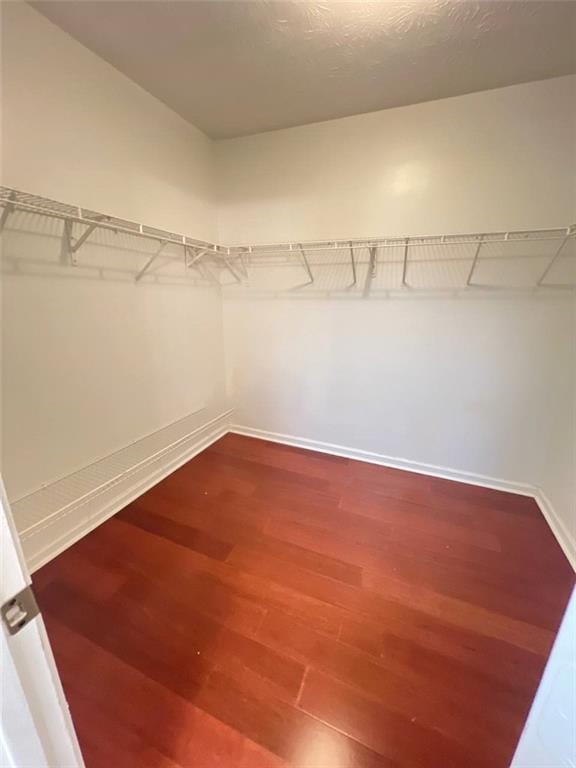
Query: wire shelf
{"points": [[530, 259]]}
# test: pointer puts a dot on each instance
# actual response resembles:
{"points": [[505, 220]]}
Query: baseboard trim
{"points": [[62, 528], [47, 539], [558, 528], [432, 470], [562, 534]]}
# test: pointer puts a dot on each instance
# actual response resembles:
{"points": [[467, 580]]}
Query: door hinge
{"points": [[20, 610]]}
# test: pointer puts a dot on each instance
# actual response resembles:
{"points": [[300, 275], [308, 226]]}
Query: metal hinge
{"points": [[20, 610]]}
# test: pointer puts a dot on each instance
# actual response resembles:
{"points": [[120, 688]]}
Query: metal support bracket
{"points": [[405, 265], [306, 267], [192, 261], [209, 275], [83, 237], [241, 263], [66, 254], [150, 261], [353, 263], [371, 272], [231, 269], [544, 275], [8, 209], [71, 247], [5, 213], [474, 261]]}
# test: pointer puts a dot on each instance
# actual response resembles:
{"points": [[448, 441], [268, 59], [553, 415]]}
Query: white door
{"points": [[549, 737], [35, 728]]}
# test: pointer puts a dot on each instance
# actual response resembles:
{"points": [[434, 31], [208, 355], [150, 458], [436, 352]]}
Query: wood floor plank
{"points": [[268, 607], [230, 527], [200, 592], [300, 557], [157, 558], [287, 731], [488, 585], [178, 648], [182, 535], [495, 658], [167, 723], [402, 515], [370, 722], [319, 465], [375, 601], [412, 680]]}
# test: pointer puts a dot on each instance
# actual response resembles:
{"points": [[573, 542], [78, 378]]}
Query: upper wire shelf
{"points": [[532, 259]]}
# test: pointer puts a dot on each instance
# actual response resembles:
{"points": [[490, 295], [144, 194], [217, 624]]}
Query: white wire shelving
{"points": [[531, 260]]}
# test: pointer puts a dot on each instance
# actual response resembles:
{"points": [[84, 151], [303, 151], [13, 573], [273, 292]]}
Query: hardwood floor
{"points": [[266, 607]]}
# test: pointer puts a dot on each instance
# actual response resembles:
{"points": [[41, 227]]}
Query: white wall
{"points": [[78, 131], [91, 361], [476, 385], [501, 159], [480, 384]]}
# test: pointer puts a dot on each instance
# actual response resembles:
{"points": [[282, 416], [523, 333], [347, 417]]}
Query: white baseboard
{"points": [[433, 470], [61, 515], [562, 534], [53, 518]]}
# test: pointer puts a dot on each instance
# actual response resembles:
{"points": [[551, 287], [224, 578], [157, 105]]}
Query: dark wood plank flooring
{"points": [[266, 606]]}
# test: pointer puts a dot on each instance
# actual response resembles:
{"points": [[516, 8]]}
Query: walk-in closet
{"points": [[288, 383]]}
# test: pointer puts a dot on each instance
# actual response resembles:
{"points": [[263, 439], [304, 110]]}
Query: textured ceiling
{"points": [[235, 67]]}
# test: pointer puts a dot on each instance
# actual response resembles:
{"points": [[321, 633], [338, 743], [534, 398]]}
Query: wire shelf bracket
{"points": [[149, 263], [371, 271], [569, 232], [353, 265]]}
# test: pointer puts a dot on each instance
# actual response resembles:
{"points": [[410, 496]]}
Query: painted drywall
{"points": [[480, 386], [90, 360], [78, 131], [91, 363], [482, 383], [490, 161]]}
